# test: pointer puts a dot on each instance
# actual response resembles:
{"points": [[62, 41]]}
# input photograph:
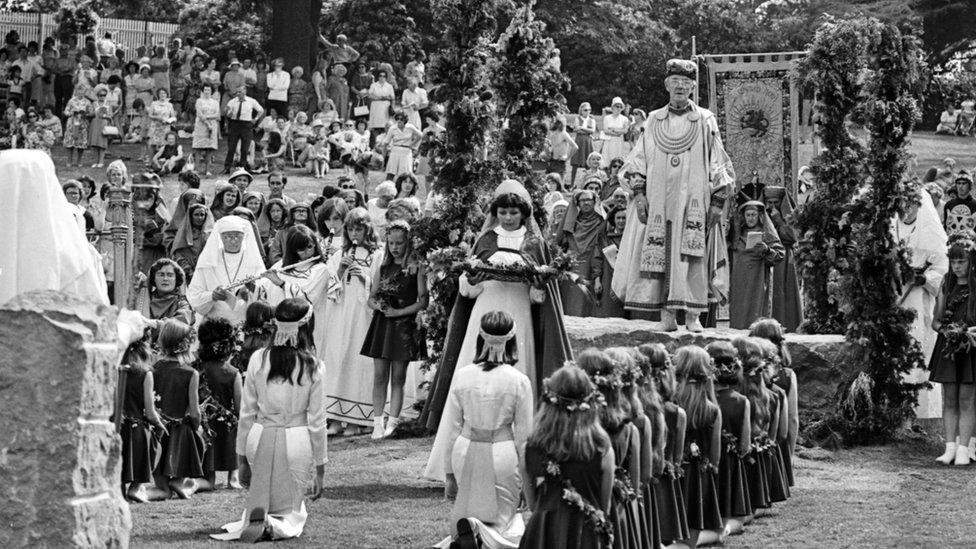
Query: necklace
{"points": [[670, 144], [240, 263]]}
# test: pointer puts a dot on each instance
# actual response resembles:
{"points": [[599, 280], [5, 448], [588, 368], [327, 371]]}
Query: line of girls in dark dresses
{"points": [[635, 448]]}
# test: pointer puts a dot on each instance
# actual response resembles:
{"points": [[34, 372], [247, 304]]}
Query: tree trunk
{"points": [[294, 32]]}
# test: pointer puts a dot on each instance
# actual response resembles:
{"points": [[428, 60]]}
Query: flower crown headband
{"points": [[184, 345], [610, 382], [494, 346], [572, 405], [287, 334]]}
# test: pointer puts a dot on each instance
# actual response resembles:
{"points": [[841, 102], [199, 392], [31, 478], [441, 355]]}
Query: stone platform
{"points": [[816, 358]]}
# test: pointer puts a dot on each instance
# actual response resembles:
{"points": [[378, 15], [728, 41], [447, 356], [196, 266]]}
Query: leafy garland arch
{"points": [[852, 267]]}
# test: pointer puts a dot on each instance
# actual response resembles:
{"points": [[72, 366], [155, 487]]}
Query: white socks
{"points": [[949, 455], [962, 455], [377, 428], [391, 425]]}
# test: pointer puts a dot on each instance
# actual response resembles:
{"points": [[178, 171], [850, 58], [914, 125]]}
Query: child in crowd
{"points": [[625, 441], [779, 488], [670, 493], [177, 385], [140, 422], [394, 339], [733, 488], [568, 452], [258, 332], [220, 399], [754, 388], [696, 394], [785, 378], [349, 386], [657, 431]]}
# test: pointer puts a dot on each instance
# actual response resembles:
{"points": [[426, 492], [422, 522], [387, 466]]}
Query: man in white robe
{"points": [[230, 255], [41, 245], [667, 258]]}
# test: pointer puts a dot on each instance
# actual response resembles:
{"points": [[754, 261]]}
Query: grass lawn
{"points": [[868, 497]]}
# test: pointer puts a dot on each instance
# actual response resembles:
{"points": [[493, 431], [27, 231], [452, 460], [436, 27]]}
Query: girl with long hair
{"points": [[696, 394], [733, 487], [655, 436], [615, 416], [350, 383], [954, 366], [670, 498], [298, 214], [394, 339], [177, 385], [489, 417], [568, 450], [257, 332], [784, 378], [779, 486], [220, 399], [140, 420], [753, 387], [281, 437]]}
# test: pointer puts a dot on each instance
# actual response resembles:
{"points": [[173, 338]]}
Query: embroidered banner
{"points": [[756, 104]]}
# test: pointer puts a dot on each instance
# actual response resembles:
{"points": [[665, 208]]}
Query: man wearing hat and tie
{"points": [[672, 251], [242, 113]]}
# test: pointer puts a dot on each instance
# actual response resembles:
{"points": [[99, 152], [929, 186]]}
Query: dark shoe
{"points": [[254, 530], [466, 538]]}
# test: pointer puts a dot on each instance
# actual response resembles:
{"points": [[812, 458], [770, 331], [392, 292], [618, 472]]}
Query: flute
{"points": [[305, 263]]}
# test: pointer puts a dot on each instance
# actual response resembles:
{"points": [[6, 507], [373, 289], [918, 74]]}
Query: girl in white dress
{"points": [[349, 387], [281, 438], [489, 417]]}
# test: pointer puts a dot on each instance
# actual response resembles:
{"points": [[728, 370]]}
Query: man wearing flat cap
{"points": [[672, 251]]}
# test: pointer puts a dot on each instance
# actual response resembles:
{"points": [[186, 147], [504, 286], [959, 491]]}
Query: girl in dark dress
{"points": [[955, 310], [703, 440], [393, 339], [220, 399], [568, 469], [733, 488], [651, 362], [625, 440], [670, 493], [140, 422], [754, 388], [177, 385], [784, 378], [779, 487]]}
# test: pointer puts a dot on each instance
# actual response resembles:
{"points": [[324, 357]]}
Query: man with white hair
{"points": [[671, 248]]}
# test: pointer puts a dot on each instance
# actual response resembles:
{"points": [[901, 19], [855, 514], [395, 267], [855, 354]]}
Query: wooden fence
{"points": [[129, 34]]}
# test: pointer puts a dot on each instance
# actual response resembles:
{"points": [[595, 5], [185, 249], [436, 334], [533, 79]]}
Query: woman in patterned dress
{"points": [[78, 111], [161, 117], [206, 129]]}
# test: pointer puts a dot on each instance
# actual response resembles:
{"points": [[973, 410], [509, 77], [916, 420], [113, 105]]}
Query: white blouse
{"points": [[278, 84]]}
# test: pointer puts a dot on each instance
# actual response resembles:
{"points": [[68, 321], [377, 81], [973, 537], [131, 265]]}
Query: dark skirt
{"points": [[565, 527], [625, 517], [758, 481], [650, 523], [784, 448], [779, 487], [393, 339], [221, 454], [182, 452], [671, 508], [733, 486], [961, 368], [140, 451], [701, 498], [584, 142]]}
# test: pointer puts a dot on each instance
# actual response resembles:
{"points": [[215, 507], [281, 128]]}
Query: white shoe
{"points": [[668, 322], [972, 449], [377, 428], [950, 453], [962, 455], [391, 425], [693, 323]]}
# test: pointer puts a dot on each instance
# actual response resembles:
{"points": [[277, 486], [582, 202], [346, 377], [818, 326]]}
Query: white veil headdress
{"points": [[511, 186], [211, 256]]}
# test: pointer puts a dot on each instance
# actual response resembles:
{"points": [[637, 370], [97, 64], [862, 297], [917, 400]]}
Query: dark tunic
{"points": [[183, 447], [610, 305], [961, 366], [554, 522], [750, 284], [650, 525], [779, 486], [784, 379], [221, 454], [670, 492], [395, 338], [624, 512], [733, 487], [787, 303], [701, 494], [140, 449]]}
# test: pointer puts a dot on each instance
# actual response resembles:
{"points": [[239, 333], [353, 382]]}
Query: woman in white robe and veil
{"points": [[43, 247], [230, 255], [919, 228]]}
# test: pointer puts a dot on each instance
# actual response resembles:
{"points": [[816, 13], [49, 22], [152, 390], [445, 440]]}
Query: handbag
{"points": [[111, 131], [360, 109]]}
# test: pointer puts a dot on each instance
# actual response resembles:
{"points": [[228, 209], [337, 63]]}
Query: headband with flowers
{"points": [[572, 405]]}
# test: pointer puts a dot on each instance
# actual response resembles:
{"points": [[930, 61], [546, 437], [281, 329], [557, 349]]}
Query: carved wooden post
{"points": [[119, 217]]}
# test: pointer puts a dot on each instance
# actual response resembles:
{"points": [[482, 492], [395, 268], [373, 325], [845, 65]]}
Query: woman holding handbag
{"points": [[101, 126], [381, 97]]}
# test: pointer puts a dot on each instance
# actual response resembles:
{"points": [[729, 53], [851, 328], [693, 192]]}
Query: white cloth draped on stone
{"points": [[43, 248], [282, 432], [663, 263], [217, 268], [926, 239]]}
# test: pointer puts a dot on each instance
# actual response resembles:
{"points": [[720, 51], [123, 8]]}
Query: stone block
{"points": [[59, 454], [817, 359]]}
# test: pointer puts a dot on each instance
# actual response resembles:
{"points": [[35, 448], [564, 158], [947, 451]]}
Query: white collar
{"points": [[510, 234]]}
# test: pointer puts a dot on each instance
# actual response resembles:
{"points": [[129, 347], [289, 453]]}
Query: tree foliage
{"points": [[218, 26], [74, 19], [382, 30]]}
